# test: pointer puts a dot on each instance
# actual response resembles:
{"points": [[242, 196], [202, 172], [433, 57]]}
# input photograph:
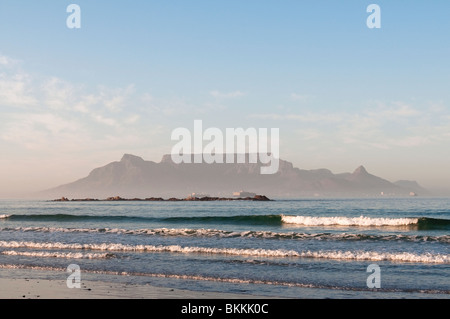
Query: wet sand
{"points": [[55, 289]]}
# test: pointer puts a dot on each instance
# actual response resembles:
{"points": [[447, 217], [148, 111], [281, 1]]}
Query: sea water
{"points": [[308, 248]]}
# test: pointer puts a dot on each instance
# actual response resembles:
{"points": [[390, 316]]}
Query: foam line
{"points": [[348, 221], [259, 252]]}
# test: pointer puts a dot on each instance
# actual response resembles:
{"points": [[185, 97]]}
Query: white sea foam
{"points": [[347, 221], [188, 232], [379, 256], [45, 254], [184, 232], [259, 252], [150, 248]]}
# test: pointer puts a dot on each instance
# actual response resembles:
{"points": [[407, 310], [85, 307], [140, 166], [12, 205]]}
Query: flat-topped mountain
{"points": [[132, 177]]}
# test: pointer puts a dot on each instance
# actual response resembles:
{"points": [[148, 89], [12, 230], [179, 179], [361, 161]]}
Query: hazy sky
{"points": [[342, 94]]}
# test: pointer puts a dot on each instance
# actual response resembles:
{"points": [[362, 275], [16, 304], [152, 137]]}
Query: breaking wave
{"points": [[45, 254], [189, 232], [348, 221], [421, 223], [258, 252]]}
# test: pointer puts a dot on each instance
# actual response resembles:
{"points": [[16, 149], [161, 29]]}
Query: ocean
{"points": [[306, 248]]}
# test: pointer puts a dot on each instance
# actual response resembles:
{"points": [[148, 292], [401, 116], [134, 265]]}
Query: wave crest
{"points": [[263, 234], [45, 254], [258, 252], [348, 221]]}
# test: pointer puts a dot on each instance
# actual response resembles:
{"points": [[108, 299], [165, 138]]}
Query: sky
{"points": [[342, 94]]}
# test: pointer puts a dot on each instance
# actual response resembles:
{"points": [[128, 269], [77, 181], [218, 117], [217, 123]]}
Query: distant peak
{"points": [[360, 171], [131, 158], [167, 158]]}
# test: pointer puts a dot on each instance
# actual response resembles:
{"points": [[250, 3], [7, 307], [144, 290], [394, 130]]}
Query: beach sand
{"points": [[18, 287], [53, 289]]}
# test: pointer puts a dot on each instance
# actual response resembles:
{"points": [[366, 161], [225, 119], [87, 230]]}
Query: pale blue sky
{"points": [[342, 94]]}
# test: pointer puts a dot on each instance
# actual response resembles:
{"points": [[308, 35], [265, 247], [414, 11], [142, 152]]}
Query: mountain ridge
{"points": [[133, 176]]}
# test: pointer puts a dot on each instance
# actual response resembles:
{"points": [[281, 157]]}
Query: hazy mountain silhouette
{"points": [[134, 177]]}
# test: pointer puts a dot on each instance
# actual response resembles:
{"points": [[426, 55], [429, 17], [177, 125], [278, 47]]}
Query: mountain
{"points": [[362, 178], [132, 177], [413, 186]]}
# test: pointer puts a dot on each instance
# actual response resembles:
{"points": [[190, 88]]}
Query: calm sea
{"points": [[316, 248]]}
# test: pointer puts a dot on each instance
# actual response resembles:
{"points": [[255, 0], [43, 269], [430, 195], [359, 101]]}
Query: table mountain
{"points": [[132, 176]]}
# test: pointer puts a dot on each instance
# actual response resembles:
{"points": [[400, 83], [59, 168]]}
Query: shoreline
{"points": [[57, 289], [28, 285], [160, 199]]}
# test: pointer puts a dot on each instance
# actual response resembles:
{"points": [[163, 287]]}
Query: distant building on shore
{"points": [[244, 194], [197, 195]]}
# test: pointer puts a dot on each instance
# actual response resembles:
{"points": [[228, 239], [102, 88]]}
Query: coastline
{"points": [[27, 286], [160, 199]]}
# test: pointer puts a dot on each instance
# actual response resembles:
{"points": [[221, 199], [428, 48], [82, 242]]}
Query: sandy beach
{"points": [[52, 289], [33, 288]]}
